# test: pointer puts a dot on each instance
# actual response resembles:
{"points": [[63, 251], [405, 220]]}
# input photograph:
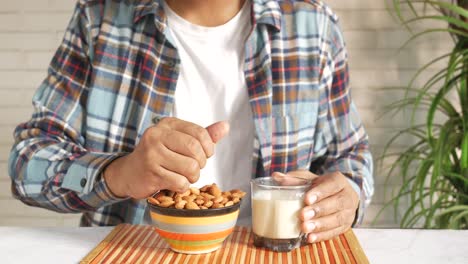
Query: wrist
{"points": [[113, 179]]}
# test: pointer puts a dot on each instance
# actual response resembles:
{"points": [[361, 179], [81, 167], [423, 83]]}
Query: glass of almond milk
{"points": [[275, 212]]}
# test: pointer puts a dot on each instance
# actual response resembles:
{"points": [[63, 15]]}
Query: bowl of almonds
{"points": [[196, 221]]}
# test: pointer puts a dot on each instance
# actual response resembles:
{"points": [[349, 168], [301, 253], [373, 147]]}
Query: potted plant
{"points": [[434, 169]]}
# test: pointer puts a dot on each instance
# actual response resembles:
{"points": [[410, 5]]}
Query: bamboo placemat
{"points": [[141, 244]]}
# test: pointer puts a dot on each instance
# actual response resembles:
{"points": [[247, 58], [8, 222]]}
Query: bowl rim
{"points": [[193, 213]]}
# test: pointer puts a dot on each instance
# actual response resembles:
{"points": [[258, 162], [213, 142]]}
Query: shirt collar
{"points": [[151, 7], [266, 12]]}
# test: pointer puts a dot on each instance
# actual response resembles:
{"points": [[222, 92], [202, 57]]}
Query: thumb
{"points": [[299, 177], [218, 130], [303, 174]]}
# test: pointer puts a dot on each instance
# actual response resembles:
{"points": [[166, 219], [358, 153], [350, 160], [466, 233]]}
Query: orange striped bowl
{"points": [[194, 231]]}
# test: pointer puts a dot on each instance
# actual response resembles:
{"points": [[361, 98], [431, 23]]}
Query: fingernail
{"points": [[311, 227], [312, 238], [278, 176], [312, 199], [310, 214], [277, 173]]}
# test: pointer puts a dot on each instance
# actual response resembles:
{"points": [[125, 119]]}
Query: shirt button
{"points": [[83, 182], [171, 64]]}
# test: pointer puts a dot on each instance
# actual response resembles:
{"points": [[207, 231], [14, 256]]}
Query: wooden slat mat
{"points": [[141, 244]]}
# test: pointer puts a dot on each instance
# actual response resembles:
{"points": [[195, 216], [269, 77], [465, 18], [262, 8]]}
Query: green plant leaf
{"points": [[409, 211], [421, 175], [414, 219], [455, 208], [463, 92], [452, 7], [462, 180], [424, 98], [434, 208], [458, 217], [427, 65], [464, 153], [450, 20], [432, 110], [457, 32], [453, 66], [398, 11], [441, 4], [416, 130], [384, 207], [433, 169]]}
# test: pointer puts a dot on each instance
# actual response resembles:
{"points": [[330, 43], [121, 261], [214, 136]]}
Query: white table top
{"points": [[70, 245]]}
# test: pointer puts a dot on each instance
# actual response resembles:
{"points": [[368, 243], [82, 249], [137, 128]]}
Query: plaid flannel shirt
{"points": [[116, 70]]}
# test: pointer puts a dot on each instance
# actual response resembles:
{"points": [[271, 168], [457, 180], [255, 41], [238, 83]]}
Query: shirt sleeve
{"points": [[343, 131], [49, 165]]}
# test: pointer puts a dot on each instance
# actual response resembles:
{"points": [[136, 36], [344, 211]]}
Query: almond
{"points": [[238, 194], [218, 199], [207, 195], [164, 198], [199, 201], [192, 206], [205, 188], [186, 193], [188, 198], [153, 200], [208, 203], [194, 190], [166, 203], [181, 204], [215, 191], [217, 205]]}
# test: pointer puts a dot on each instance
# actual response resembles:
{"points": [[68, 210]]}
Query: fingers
{"points": [[326, 206], [218, 130], [326, 235], [170, 180], [186, 145], [324, 187], [171, 153], [302, 174], [180, 164], [199, 133], [300, 177], [330, 207], [341, 218]]}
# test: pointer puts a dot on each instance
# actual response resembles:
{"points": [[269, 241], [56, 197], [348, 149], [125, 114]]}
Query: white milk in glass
{"points": [[275, 214]]}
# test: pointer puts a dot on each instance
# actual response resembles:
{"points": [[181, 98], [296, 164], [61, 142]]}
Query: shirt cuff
{"points": [[360, 210], [84, 177]]}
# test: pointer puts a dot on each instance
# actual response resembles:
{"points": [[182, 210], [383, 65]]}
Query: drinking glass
{"points": [[276, 203]]}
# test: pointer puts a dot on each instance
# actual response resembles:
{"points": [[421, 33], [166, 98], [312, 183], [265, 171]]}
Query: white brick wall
{"points": [[31, 30]]}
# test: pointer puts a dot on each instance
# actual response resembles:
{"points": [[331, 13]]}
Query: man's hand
{"points": [[331, 205], [168, 156]]}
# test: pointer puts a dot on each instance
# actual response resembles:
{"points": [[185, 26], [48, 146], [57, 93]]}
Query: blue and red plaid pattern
{"points": [[116, 70]]}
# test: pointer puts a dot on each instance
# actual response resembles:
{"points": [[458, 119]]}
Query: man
{"points": [[123, 110]]}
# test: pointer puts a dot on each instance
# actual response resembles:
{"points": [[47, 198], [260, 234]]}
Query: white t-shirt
{"points": [[211, 87]]}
